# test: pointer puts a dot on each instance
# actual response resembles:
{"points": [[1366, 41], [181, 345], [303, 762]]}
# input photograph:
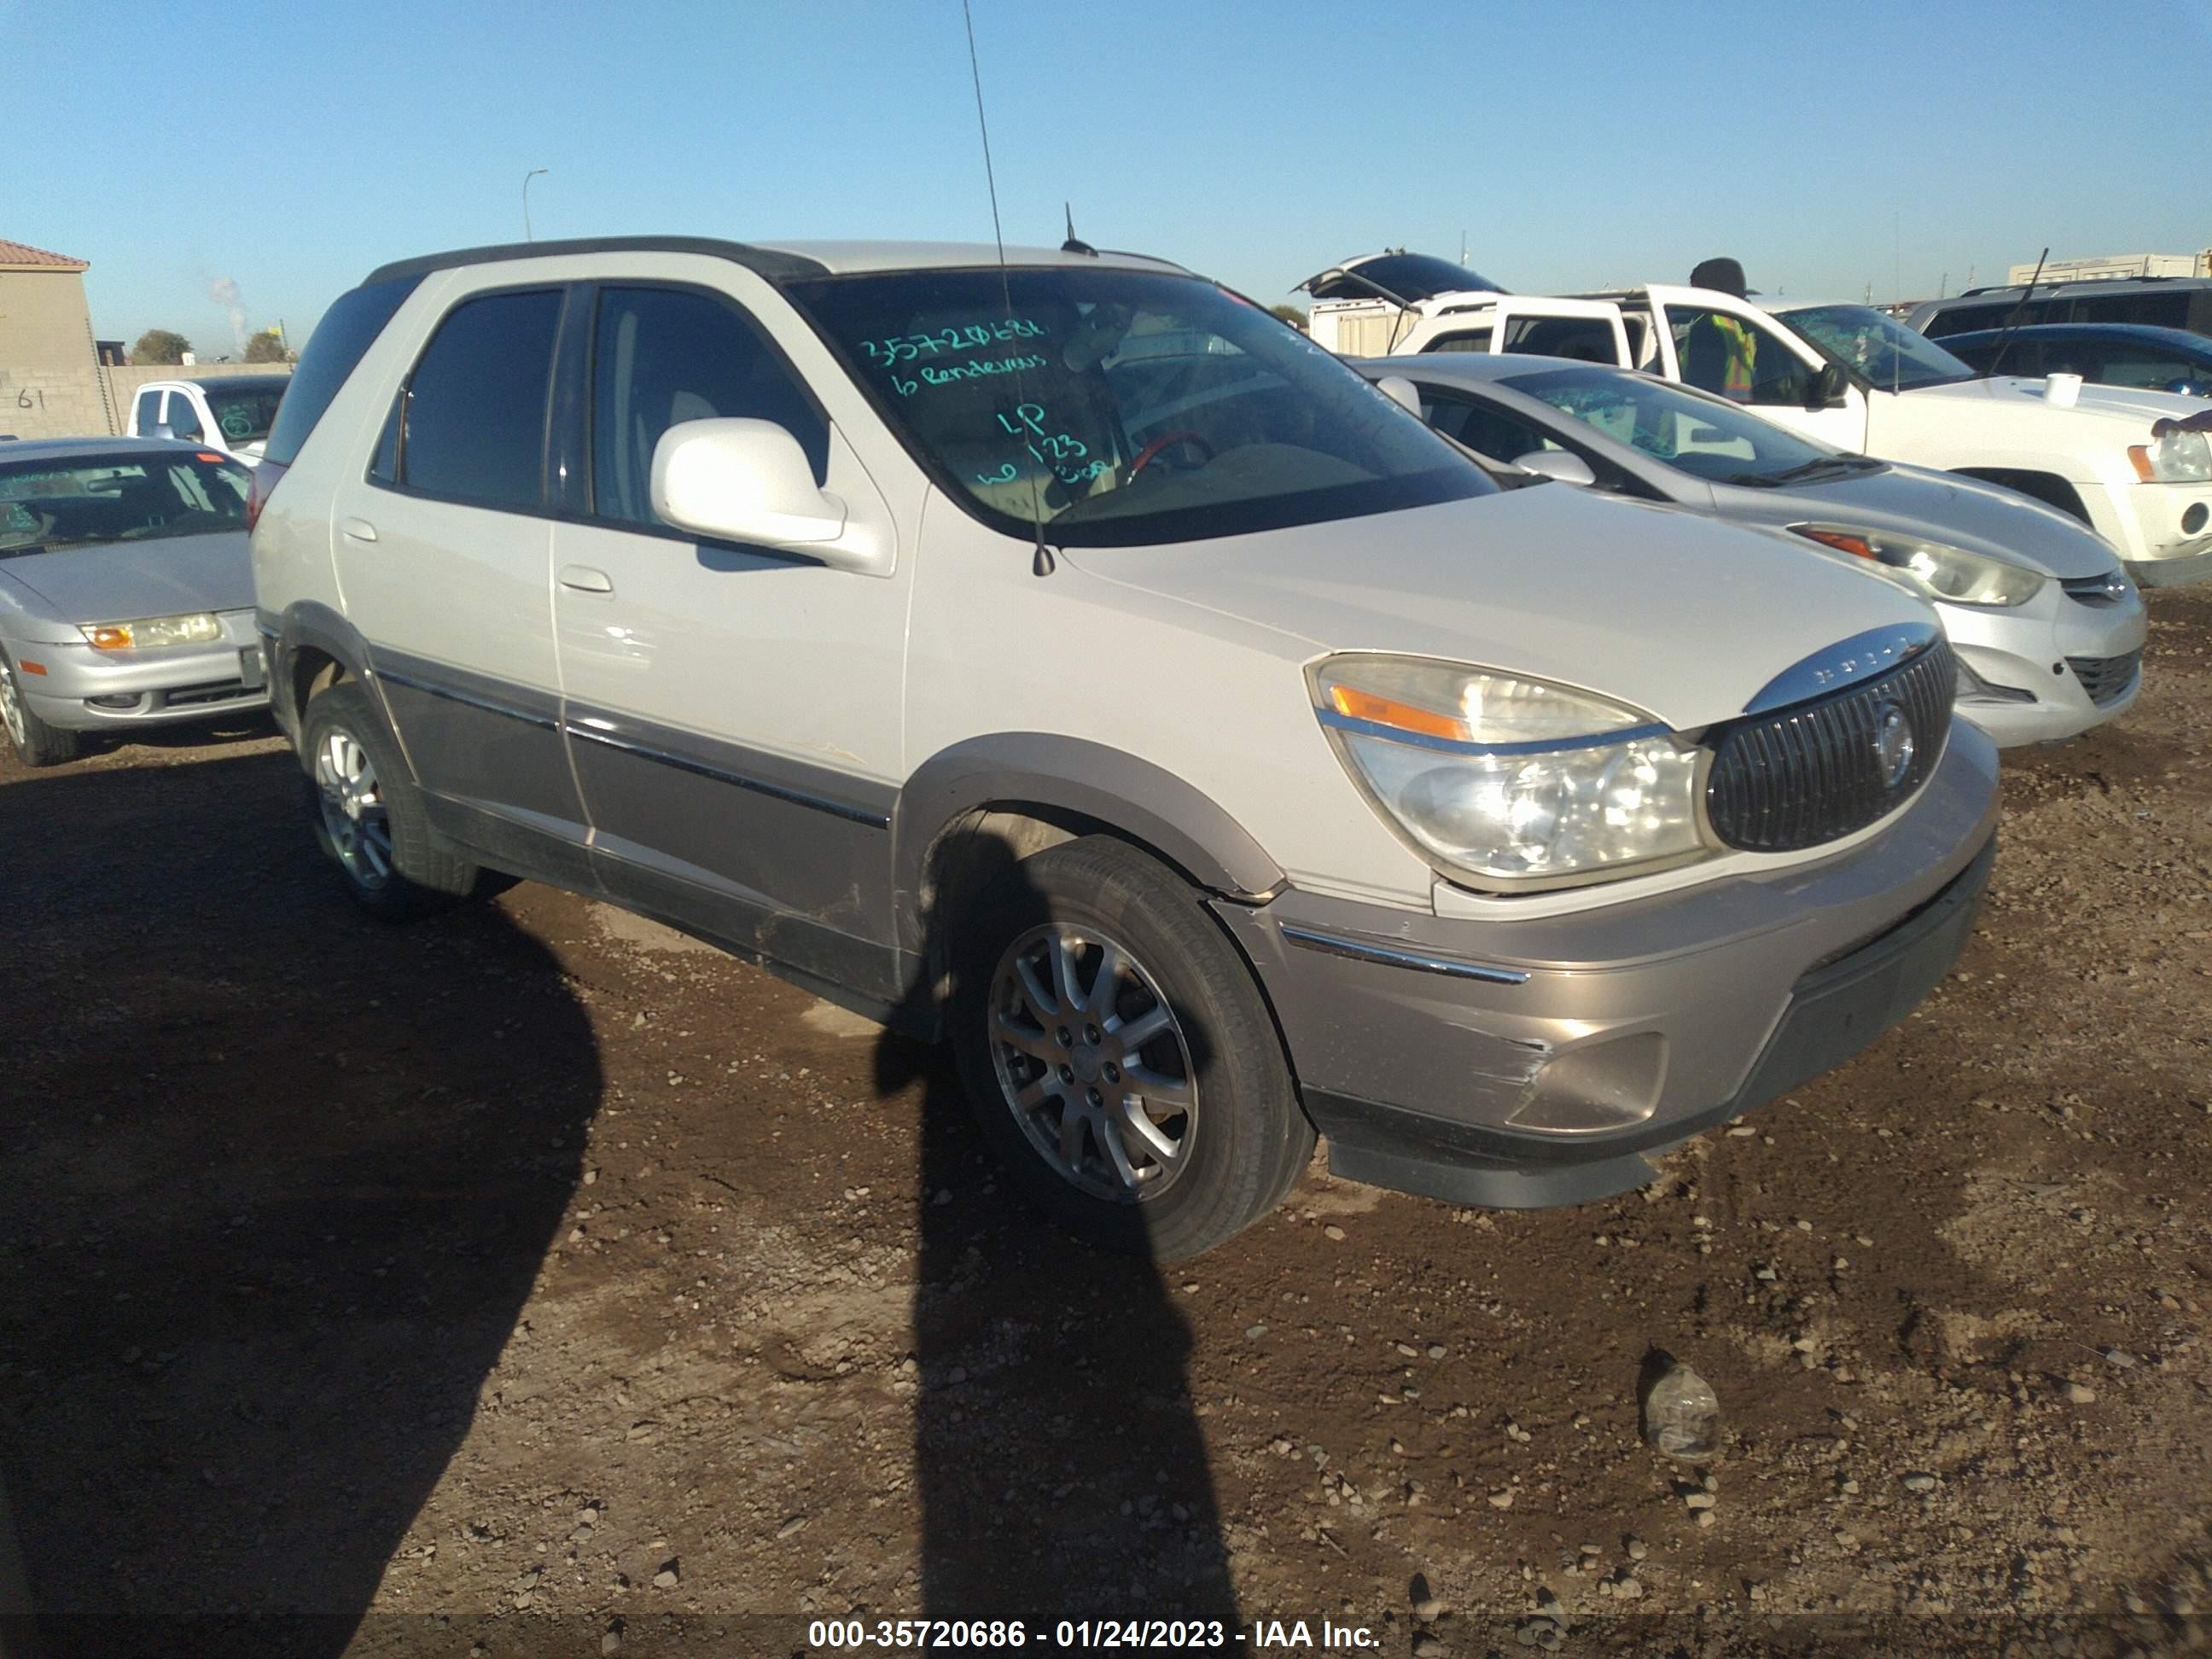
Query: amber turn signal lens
{"points": [[1855, 545], [110, 639], [2139, 456], [1387, 711]]}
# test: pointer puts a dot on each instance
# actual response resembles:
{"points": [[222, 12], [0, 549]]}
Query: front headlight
{"points": [[1502, 780], [2178, 456], [1932, 569], [199, 628]]}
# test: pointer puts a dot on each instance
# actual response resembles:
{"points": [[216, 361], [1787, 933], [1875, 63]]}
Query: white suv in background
{"points": [[1066, 658], [1850, 377], [229, 413]]}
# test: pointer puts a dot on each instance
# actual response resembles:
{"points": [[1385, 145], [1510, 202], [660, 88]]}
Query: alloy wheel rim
{"points": [[11, 709], [354, 813], [1092, 1063]]}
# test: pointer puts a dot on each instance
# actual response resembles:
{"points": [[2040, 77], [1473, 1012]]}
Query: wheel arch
{"points": [[2049, 488], [1025, 791]]}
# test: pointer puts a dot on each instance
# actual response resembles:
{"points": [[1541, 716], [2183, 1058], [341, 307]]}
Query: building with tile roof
{"points": [[43, 321]]}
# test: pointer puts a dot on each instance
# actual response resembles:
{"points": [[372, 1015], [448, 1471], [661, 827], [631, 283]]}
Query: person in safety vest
{"points": [[1719, 354]]}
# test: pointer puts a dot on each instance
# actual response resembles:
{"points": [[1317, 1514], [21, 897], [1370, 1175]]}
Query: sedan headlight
{"points": [[2178, 456], [1501, 780], [199, 628], [1932, 569]]}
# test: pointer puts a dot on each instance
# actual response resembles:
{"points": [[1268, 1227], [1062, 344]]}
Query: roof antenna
{"points": [[2013, 322], [1042, 564], [1074, 245]]}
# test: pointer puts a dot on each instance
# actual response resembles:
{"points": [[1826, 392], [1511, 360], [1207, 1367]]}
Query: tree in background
{"points": [[267, 347], [1291, 315], [159, 345]]}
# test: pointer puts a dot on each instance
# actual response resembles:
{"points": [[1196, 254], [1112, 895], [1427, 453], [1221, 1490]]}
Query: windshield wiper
{"points": [[1821, 464]]}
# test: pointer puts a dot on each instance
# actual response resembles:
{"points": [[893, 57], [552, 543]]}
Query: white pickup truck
{"points": [[1844, 374]]}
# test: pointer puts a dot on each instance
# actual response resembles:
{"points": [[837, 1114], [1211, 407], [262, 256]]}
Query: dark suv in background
{"points": [[2183, 302]]}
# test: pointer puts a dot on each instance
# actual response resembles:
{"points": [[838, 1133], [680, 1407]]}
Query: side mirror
{"points": [[1827, 388], [749, 481], [1401, 391], [161, 430], [1561, 464]]}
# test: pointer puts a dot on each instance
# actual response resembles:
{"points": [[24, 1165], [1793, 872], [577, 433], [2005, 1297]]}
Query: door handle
{"points": [[585, 580], [360, 529]]}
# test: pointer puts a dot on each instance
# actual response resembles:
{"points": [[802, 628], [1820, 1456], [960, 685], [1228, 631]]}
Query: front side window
{"points": [[665, 355], [1103, 406], [1889, 354], [46, 506], [1707, 437], [184, 419], [147, 415], [473, 428], [1733, 357]]}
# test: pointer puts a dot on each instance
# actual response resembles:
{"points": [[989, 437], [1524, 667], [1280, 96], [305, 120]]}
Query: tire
{"points": [[367, 813], [35, 743], [1227, 1139]]}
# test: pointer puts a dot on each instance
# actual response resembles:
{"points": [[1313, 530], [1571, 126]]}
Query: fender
{"points": [[311, 625], [1041, 770]]}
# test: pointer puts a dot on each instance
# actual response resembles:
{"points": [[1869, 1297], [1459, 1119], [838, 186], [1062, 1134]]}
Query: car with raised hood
{"points": [[232, 413], [2047, 629], [126, 595], [1064, 657], [2121, 460]]}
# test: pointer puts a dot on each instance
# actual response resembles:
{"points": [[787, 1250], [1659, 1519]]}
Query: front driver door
{"points": [[1703, 339], [733, 713]]}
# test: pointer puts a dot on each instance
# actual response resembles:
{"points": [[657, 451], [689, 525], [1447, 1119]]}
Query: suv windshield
{"points": [[242, 414], [1710, 438], [1884, 350], [88, 500], [1110, 407]]}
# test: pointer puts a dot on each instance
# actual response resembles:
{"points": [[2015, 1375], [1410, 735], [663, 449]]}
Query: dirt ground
{"points": [[533, 1280]]}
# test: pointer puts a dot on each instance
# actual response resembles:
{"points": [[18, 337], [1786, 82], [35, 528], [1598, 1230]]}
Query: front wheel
{"points": [[36, 742], [367, 813], [1118, 1054]]}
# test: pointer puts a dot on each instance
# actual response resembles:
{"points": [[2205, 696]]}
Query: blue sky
{"points": [[1827, 146]]}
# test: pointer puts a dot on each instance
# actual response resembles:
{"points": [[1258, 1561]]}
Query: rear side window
{"points": [[184, 419], [2159, 310], [665, 355], [349, 328], [475, 424]]}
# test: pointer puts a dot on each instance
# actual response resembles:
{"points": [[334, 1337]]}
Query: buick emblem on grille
{"points": [[1892, 744]]}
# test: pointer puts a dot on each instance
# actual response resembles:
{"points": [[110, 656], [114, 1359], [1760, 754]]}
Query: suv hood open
{"points": [[1679, 615]]}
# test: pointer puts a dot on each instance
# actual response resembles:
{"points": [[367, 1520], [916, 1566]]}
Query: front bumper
{"points": [[1527, 1063], [2031, 665], [83, 690], [2172, 547]]}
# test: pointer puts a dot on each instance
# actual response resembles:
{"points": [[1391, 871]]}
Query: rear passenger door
{"points": [[442, 550], [733, 712]]}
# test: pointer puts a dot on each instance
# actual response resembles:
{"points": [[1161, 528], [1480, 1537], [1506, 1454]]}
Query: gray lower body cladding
{"points": [[1588, 1039]]}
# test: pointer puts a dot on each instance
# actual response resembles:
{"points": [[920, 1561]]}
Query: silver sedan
{"points": [[126, 594], [2047, 628]]}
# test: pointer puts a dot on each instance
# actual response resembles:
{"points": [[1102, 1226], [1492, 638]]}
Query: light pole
{"points": [[527, 178]]}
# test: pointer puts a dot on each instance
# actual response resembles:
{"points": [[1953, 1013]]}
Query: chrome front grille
{"points": [[1814, 771], [2107, 679], [2095, 590]]}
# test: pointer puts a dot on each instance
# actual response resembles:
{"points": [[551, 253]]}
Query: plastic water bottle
{"points": [[1682, 1414]]}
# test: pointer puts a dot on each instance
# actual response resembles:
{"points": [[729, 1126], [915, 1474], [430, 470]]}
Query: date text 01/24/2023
{"points": [[1077, 1635]]}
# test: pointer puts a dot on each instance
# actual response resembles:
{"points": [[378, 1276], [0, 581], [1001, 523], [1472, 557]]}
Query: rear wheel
{"points": [[1118, 1056], [36, 742], [367, 815]]}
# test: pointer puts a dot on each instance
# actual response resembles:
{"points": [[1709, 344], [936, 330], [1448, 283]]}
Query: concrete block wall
{"points": [[82, 403]]}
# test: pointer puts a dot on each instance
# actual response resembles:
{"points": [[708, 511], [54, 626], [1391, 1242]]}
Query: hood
{"points": [[1940, 506], [2138, 409], [1681, 614], [117, 581]]}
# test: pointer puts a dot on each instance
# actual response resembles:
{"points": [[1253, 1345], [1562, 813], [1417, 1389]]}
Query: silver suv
{"points": [[1066, 658]]}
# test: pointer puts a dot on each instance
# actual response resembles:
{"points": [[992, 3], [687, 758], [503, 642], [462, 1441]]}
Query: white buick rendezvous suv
{"points": [[1065, 658]]}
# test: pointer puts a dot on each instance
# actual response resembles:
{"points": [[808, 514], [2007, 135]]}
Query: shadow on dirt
{"points": [[1061, 1470], [281, 1178]]}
